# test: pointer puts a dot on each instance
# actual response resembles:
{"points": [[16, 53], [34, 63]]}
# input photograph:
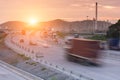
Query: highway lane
{"points": [[55, 54]]}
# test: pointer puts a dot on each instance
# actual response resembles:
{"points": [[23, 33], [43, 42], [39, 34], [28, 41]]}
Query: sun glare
{"points": [[33, 21]]}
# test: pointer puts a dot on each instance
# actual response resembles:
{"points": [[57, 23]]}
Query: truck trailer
{"points": [[83, 51]]}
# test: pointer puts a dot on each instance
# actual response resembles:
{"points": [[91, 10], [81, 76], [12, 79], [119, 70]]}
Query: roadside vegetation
{"points": [[53, 78], [24, 57], [114, 30], [32, 63], [2, 36], [98, 37], [61, 34]]}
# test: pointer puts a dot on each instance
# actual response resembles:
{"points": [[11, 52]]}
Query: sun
{"points": [[33, 21]]}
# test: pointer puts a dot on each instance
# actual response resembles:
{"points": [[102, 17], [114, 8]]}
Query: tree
{"points": [[114, 30]]}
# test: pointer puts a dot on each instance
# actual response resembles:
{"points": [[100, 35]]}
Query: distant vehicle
{"points": [[2, 32], [68, 40], [32, 43], [23, 32], [76, 35], [84, 51], [21, 40]]}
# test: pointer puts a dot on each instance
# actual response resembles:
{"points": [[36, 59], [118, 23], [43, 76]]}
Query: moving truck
{"points": [[83, 50]]}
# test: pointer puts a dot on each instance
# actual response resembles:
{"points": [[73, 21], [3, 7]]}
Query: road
{"points": [[55, 54]]}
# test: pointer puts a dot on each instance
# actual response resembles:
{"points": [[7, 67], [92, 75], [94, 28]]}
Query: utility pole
{"points": [[87, 22], [87, 17], [96, 17]]}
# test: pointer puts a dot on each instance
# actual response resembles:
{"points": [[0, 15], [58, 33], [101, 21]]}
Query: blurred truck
{"points": [[21, 40], [32, 43], [84, 51]]}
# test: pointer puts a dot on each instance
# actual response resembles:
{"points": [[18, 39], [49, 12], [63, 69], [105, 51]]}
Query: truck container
{"points": [[83, 50]]}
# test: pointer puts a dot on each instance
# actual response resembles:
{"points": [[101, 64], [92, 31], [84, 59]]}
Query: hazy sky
{"points": [[70, 10]]}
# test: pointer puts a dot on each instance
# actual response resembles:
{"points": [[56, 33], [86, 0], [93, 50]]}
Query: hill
{"points": [[61, 25], [13, 25], [75, 26]]}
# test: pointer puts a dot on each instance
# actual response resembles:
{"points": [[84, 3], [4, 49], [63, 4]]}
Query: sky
{"points": [[70, 10]]}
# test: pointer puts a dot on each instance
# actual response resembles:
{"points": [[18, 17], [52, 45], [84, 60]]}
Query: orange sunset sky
{"points": [[70, 10]]}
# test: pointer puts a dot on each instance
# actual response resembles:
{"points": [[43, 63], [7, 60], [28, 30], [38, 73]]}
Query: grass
{"points": [[61, 34], [1, 42], [2, 39], [43, 69], [2, 35], [24, 57], [31, 63], [53, 78], [14, 62], [98, 37], [21, 55]]}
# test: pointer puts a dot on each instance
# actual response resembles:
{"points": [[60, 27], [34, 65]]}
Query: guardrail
{"points": [[19, 72]]}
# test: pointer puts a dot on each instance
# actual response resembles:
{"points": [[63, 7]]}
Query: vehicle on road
{"points": [[83, 51]]}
